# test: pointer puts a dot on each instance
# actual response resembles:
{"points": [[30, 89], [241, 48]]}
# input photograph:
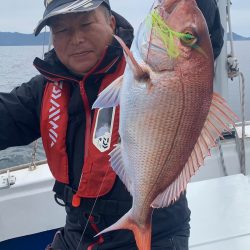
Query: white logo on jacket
{"points": [[103, 129], [54, 112]]}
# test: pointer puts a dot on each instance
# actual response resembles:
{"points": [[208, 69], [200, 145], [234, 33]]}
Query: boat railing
{"points": [[22, 166]]}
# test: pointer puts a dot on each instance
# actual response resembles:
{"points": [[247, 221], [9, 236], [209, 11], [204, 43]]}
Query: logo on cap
{"points": [[47, 2], [72, 5]]}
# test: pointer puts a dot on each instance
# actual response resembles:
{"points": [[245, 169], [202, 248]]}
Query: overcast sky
{"points": [[23, 15]]}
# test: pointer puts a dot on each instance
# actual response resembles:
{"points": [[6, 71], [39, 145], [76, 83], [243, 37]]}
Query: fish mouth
{"points": [[170, 34], [165, 32]]}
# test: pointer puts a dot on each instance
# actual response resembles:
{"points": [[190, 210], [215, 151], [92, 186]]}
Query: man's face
{"points": [[80, 39]]}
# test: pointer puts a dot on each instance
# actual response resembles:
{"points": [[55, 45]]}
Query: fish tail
{"points": [[142, 233], [143, 237]]}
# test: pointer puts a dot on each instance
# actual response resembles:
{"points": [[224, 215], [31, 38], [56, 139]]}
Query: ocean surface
{"points": [[16, 67]]}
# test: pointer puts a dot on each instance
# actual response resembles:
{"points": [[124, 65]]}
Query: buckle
{"points": [[59, 201]]}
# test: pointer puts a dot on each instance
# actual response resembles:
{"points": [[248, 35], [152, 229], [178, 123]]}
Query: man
{"points": [[56, 105]]}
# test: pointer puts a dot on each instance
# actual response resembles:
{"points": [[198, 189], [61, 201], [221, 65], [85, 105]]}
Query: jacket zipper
{"points": [[76, 200]]}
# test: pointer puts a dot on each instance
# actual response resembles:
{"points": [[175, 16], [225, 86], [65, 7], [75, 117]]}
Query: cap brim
{"points": [[64, 9]]}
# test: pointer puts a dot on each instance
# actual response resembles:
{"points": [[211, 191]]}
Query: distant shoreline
{"points": [[24, 45], [237, 37], [20, 39]]}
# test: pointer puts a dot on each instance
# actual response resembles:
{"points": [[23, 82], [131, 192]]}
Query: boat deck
{"points": [[220, 208], [220, 213]]}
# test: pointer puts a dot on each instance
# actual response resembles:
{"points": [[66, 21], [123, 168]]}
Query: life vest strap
{"points": [[102, 207]]}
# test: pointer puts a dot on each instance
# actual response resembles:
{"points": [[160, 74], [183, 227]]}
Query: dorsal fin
{"points": [[140, 73]]}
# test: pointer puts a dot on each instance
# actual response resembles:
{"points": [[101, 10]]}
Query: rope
{"points": [[233, 72], [33, 160], [232, 66], [229, 3], [243, 119], [222, 159]]}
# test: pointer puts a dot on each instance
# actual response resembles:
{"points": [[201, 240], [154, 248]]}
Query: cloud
{"points": [[240, 22], [133, 10], [23, 16], [240, 5], [20, 16]]}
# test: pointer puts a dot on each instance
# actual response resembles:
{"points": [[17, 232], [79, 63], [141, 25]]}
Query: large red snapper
{"points": [[169, 115]]}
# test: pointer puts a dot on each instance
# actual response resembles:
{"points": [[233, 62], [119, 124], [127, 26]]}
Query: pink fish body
{"points": [[169, 115]]}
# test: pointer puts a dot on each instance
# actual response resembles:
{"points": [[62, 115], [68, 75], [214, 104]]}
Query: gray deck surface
{"points": [[220, 217]]}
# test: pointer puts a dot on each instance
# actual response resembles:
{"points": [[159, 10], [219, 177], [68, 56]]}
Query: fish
{"points": [[170, 117]]}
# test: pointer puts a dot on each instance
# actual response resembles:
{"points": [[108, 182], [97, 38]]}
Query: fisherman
{"points": [[56, 105]]}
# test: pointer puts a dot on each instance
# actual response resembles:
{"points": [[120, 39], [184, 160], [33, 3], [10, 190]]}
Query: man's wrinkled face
{"points": [[80, 39]]}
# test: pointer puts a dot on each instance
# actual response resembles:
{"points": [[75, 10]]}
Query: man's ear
{"points": [[112, 23]]}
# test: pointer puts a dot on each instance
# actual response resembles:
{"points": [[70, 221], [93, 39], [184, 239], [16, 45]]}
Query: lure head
{"points": [[175, 30]]}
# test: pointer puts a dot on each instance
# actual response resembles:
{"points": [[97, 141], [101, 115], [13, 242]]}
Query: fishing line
{"points": [[92, 209], [44, 34]]}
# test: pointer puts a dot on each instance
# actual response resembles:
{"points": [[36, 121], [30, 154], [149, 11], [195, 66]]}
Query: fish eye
{"points": [[189, 39]]}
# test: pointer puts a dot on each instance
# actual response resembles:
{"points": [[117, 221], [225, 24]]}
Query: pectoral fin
{"points": [[110, 96]]}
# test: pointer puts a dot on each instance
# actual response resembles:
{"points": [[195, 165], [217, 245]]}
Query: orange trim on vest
{"points": [[97, 176]]}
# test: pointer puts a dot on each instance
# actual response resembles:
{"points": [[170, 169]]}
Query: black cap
{"points": [[58, 7]]}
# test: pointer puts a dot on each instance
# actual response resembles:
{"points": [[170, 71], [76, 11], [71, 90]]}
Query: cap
{"points": [[58, 7]]}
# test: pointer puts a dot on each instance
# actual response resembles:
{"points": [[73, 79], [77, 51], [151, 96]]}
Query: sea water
{"points": [[16, 67]]}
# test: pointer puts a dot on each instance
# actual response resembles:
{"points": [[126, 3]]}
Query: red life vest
{"points": [[97, 176]]}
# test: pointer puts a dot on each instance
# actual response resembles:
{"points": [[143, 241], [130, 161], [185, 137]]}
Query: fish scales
{"points": [[169, 115]]}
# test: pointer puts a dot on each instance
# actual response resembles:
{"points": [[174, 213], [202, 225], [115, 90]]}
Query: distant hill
{"points": [[237, 37], [19, 39]]}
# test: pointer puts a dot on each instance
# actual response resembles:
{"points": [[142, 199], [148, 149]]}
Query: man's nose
{"points": [[77, 37]]}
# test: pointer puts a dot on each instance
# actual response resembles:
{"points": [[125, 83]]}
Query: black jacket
{"points": [[211, 13], [20, 118]]}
